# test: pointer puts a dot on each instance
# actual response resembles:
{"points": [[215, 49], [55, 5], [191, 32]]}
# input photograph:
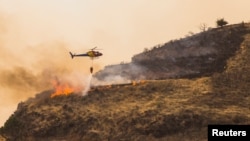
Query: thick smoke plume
{"points": [[27, 69]]}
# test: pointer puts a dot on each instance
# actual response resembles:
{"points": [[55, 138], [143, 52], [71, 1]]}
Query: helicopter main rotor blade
{"points": [[93, 48]]}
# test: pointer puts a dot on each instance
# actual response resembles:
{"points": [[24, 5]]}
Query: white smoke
{"points": [[109, 80], [87, 85]]}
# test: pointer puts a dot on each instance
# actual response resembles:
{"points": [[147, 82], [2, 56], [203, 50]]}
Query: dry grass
{"points": [[2, 138], [173, 110], [154, 111]]}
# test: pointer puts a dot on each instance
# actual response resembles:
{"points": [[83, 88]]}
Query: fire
{"points": [[133, 83], [138, 82], [109, 86], [63, 89]]}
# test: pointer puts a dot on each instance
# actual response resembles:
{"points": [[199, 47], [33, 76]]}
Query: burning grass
{"points": [[65, 87], [62, 89], [152, 111]]}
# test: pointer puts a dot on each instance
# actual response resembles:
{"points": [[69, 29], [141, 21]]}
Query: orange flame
{"points": [[133, 83], [63, 89], [138, 82]]}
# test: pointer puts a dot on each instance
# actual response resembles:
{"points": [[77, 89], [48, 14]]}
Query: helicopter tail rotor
{"points": [[72, 55]]}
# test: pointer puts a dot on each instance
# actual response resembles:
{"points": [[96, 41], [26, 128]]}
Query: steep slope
{"points": [[199, 55], [156, 110]]}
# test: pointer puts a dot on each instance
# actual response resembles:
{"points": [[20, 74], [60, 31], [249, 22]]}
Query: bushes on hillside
{"points": [[221, 22]]}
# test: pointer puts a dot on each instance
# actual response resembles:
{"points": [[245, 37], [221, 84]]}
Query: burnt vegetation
{"points": [[201, 54], [217, 60]]}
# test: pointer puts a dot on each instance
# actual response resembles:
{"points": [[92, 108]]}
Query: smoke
{"points": [[119, 74], [110, 79], [28, 68]]}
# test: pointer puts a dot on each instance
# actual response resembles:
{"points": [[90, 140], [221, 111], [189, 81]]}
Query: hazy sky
{"points": [[121, 28]]}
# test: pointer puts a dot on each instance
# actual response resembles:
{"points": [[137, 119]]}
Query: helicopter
{"points": [[92, 54]]}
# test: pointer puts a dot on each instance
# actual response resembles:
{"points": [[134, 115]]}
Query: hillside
{"points": [[152, 110], [198, 55]]}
